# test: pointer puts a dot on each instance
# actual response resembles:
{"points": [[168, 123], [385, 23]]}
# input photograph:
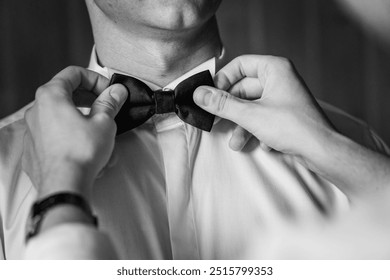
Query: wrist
{"points": [[60, 208], [66, 176], [354, 169], [320, 147], [327, 158]]}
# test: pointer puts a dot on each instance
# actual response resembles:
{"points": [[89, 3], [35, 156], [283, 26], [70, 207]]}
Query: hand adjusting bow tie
{"points": [[142, 102]]}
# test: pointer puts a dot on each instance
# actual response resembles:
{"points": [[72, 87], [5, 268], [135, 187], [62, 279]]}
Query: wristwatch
{"points": [[40, 208]]}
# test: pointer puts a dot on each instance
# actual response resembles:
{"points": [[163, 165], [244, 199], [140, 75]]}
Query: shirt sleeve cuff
{"points": [[71, 242]]}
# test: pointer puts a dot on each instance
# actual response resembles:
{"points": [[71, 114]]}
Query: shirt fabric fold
{"points": [[177, 192]]}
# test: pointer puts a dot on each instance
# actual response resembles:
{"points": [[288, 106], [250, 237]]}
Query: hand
{"points": [[63, 148], [265, 96]]}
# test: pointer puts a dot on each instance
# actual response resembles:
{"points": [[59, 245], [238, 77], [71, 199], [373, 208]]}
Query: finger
{"points": [[239, 138], [237, 69], [109, 101], [247, 88], [73, 77], [220, 103], [265, 147], [254, 66]]}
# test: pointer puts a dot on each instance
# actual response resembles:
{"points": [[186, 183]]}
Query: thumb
{"points": [[109, 101], [220, 103]]}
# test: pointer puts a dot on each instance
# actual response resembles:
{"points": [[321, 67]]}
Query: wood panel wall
{"points": [[340, 63]]}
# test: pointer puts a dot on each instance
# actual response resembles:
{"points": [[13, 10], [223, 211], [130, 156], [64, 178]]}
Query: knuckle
{"points": [[107, 104], [282, 63], [220, 101], [42, 92], [238, 59], [46, 94], [72, 68], [246, 57]]}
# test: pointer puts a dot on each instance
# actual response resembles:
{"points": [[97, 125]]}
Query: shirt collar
{"points": [[161, 121], [210, 65]]}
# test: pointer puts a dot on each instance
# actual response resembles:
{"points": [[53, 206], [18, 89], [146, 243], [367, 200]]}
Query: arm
{"points": [[356, 169], [64, 152], [266, 96]]}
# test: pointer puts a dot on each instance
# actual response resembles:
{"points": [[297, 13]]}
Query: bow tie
{"points": [[142, 102]]}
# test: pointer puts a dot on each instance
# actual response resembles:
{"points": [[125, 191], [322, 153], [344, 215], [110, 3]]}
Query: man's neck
{"points": [[156, 55]]}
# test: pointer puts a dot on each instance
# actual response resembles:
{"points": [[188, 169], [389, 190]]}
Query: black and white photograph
{"points": [[195, 130]]}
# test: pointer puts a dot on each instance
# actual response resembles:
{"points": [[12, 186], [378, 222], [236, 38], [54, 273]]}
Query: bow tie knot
{"points": [[164, 101], [142, 102]]}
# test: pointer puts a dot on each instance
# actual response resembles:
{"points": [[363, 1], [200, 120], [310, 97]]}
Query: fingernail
{"points": [[235, 145], [119, 93], [202, 96]]}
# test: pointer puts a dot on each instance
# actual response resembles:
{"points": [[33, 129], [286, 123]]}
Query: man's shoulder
{"points": [[354, 128], [12, 130], [13, 119]]}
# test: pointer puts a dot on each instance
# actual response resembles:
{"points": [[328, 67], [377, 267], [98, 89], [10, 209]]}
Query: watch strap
{"points": [[40, 208]]}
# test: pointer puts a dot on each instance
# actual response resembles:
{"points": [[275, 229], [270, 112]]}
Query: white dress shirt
{"points": [[177, 192]]}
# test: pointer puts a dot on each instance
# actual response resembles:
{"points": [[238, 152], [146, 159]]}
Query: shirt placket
{"points": [[175, 150]]}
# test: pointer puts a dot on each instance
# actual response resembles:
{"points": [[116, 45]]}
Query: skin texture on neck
{"points": [[156, 55]]}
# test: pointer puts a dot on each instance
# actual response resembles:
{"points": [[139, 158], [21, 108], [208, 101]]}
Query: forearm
{"points": [[356, 170], [66, 178], [67, 231], [71, 241]]}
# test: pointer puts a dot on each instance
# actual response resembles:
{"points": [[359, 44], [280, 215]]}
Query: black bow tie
{"points": [[142, 102]]}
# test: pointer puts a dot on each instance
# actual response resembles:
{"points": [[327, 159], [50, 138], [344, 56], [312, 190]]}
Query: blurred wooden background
{"points": [[341, 64]]}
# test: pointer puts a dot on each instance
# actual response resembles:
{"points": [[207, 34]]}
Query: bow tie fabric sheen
{"points": [[142, 102]]}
